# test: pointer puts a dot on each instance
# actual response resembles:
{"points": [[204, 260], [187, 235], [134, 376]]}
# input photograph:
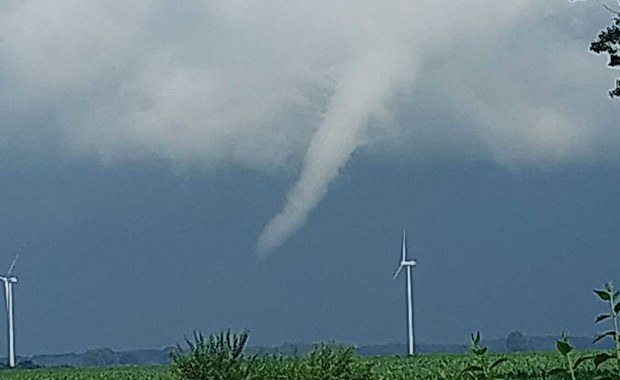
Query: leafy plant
{"points": [[609, 296], [278, 367], [336, 362], [482, 368], [219, 357], [565, 349], [607, 42]]}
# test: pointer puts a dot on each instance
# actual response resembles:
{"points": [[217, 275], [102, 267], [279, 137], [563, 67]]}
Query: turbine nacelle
{"points": [[404, 262], [11, 279]]}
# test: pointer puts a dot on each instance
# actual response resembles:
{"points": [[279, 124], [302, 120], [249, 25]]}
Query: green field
{"points": [[124, 373], [519, 366]]}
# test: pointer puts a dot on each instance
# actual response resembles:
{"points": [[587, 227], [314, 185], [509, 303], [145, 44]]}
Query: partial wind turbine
{"points": [[408, 265], [8, 297]]}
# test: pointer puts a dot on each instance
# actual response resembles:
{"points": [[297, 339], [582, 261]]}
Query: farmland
{"points": [[423, 367]]}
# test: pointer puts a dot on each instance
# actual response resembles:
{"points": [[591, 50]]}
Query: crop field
{"points": [[423, 367], [118, 373]]}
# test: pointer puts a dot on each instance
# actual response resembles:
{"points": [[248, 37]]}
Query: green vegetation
{"points": [[117, 373], [607, 43], [566, 350], [610, 297], [482, 367], [220, 357], [536, 366]]}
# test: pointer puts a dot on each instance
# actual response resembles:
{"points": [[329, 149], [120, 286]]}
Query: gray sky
{"points": [[239, 164]]}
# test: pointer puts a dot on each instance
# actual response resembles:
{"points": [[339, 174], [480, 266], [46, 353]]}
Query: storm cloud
{"points": [[301, 85]]}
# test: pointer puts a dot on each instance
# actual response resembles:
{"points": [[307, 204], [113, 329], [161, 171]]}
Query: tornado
{"points": [[361, 93]]}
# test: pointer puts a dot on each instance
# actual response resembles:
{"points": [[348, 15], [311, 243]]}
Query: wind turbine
{"points": [[409, 265], [8, 297]]}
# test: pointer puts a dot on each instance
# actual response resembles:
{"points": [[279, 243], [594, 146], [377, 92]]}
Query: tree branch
{"points": [[610, 9]]}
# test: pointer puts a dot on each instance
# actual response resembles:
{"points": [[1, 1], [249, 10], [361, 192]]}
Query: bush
{"points": [[324, 362], [220, 357], [336, 362]]}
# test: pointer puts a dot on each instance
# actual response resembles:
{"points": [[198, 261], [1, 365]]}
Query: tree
{"points": [[100, 357], [608, 41], [516, 342]]}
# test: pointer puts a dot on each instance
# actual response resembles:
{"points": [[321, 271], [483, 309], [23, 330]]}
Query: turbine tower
{"points": [[8, 297], [408, 265]]}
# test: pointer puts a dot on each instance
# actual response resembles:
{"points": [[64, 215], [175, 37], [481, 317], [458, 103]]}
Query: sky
{"points": [[221, 164]]}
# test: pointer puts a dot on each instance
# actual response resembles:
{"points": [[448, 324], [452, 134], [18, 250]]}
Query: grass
{"points": [[423, 367], [117, 373]]}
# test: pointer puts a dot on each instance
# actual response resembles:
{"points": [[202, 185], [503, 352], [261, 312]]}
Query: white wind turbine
{"points": [[8, 297], [408, 264]]}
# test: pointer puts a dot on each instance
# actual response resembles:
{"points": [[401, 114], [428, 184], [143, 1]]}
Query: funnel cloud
{"points": [[360, 95]]}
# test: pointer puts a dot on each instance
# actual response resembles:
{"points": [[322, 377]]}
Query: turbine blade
{"points": [[400, 267], [12, 265], [404, 248]]}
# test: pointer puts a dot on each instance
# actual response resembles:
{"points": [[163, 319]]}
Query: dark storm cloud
{"points": [[281, 84]]}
